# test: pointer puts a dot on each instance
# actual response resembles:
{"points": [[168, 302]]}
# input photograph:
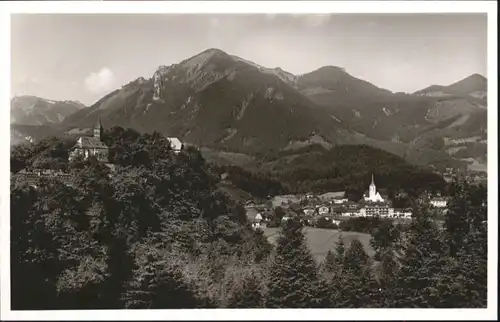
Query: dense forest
{"points": [[156, 233], [341, 168]]}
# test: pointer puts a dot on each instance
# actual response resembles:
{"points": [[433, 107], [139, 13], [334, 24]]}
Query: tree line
{"points": [[158, 234]]}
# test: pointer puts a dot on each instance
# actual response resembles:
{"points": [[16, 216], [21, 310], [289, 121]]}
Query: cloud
{"points": [[100, 82]]}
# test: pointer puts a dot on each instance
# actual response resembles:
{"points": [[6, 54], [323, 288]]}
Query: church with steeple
{"points": [[91, 146], [373, 194]]}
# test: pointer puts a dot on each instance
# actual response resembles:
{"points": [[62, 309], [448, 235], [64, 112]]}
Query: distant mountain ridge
{"points": [[32, 110], [31, 117], [474, 85], [228, 103]]}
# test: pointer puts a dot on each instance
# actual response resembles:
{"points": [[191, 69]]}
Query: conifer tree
{"points": [[383, 237], [388, 270], [422, 264], [246, 293], [359, 285], [158, 282], [332, 273], [464, 283], [293, 277], [334, 260]]}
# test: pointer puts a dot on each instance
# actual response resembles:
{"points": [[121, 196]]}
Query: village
{"points": [[331, 207]]}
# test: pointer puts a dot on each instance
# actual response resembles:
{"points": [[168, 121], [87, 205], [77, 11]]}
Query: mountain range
{"points": [[32, 110], [224, 102]]}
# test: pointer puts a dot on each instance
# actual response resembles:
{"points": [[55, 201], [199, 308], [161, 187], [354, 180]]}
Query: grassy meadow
{"points": [[321, 240]]}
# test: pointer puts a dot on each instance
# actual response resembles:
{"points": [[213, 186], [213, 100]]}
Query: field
{"points": [[321, 240]]}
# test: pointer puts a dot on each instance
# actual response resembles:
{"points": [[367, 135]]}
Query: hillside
{"points": [[30, 133], [215, 100], [416, 121], [314, 168]]}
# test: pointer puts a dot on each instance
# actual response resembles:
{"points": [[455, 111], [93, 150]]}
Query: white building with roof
{"points": [[176, 144], [439, 202], [323, 210]]}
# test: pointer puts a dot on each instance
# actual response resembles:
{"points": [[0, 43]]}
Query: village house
{"points": [[334, 197], [257, 222], [309, 211], [250, 204], [175, 144], [337, 209], [439, 202], [402, 213], [323, 210], [340, 201], [254, 217], [308, 196]]}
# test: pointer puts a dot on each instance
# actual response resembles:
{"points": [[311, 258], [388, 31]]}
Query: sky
{"points": [[84, 57]]}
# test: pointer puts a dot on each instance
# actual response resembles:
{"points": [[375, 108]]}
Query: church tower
{"points": [[372, 190], [98, 129]]}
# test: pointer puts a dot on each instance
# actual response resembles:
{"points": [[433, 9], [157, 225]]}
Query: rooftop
{"points": [[333, 195], [175, 143], [90, 142]]}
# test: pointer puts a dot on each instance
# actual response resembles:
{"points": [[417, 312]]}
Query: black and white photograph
{"points": [[169, 160]]}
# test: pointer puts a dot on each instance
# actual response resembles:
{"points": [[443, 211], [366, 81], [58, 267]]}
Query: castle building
{"points": [[373, 194], [91, 146]]}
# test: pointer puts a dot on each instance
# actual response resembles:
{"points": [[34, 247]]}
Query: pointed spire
{"points": [[373, 181], [98, 129], [98, 124]]}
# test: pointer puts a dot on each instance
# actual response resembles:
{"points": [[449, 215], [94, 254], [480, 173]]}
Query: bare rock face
{"points": [[157, 85], [272, 94]]}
